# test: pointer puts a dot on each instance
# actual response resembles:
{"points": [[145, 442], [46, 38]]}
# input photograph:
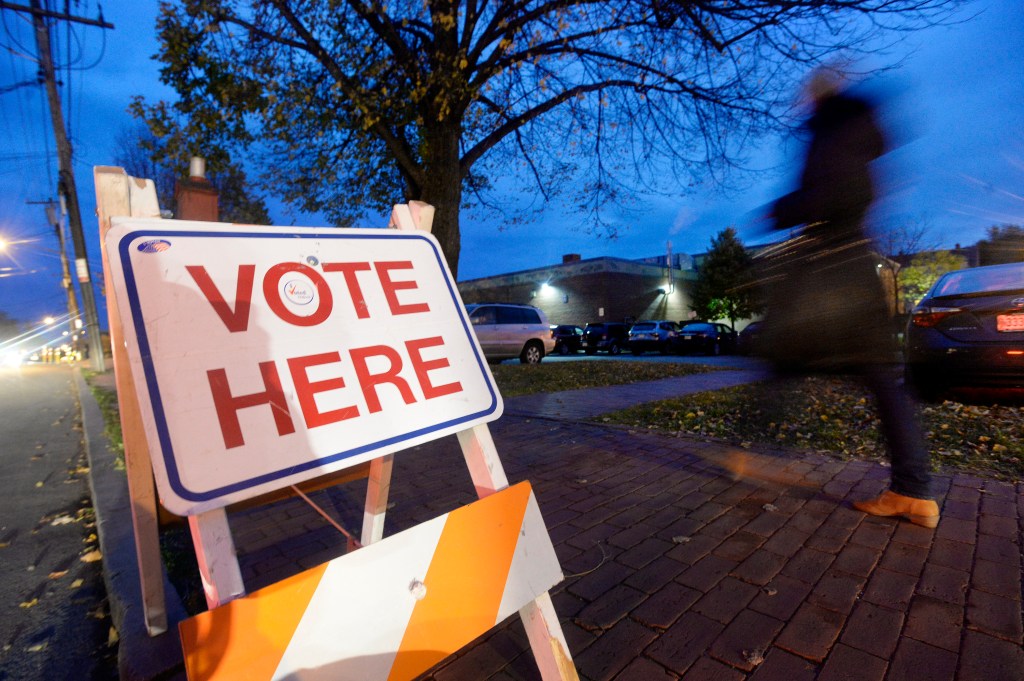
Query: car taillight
{"points": [[930, 316]]}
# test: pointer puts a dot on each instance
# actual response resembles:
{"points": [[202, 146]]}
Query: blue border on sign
{"points": [[166, 448]]}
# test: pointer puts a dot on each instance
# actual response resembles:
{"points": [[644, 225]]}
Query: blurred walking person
{"points": [[825, 281]]}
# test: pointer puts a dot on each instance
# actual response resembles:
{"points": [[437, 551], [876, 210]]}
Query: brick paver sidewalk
{"points": [[675, 568]]}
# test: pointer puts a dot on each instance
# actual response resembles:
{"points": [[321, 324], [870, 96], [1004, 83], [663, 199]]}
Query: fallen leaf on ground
{"points": [[91, 557], [112, 637], [62, 520], [58, 574], [754, 657], [38, 648], [680, 539], [29, 604], [77, 583]]}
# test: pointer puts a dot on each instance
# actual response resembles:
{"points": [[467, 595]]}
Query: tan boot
{"points": [[924, 512]]}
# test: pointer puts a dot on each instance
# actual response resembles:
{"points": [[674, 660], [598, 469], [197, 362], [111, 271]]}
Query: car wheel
{"points": [[590, 351], [563, 349], [637, 351], [614, 349], [532, 353], [716, 349]]}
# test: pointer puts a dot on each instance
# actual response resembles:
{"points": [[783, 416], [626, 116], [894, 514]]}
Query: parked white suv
{"points": [[505, 330]]}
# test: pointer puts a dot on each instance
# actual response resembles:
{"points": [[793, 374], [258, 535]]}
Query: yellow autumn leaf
{"points": [[58, 574], [29, 604], [998, 448], [77, 583], [91, 557]]}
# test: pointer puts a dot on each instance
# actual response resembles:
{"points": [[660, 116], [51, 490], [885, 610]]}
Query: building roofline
{"points": [[605, 263]]}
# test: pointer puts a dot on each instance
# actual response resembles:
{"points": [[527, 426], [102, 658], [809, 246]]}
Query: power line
{"points": [[66, 185], [62, 16]]}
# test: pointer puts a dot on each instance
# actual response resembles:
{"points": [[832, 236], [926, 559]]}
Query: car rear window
{"points": [[981, 280], [697, 327], [643, 326]]}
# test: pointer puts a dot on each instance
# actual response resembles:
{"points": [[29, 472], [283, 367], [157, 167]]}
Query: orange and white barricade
{"points": [[390, 610]]}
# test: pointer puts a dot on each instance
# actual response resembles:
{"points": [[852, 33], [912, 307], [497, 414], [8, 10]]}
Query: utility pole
{"points": [[66, 183], [57, 222]]}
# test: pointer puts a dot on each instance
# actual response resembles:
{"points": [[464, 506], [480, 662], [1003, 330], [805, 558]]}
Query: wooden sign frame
{"points": [[119, 195]]}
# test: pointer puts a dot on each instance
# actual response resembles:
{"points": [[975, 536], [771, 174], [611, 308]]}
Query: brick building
{"points": [[604, 289]]}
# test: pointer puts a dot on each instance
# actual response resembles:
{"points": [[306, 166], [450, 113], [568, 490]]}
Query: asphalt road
{"points": [[53, 616]]}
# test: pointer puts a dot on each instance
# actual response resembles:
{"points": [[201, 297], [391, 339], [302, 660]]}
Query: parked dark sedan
{"points": [[748, 339], [968, 331], [568, 339], [709, 338]]}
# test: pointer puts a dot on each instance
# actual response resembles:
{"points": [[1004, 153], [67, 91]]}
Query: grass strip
{"points": [[838, 416], [551, 377]]}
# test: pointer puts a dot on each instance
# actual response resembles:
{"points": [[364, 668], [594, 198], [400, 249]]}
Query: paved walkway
{"points": [[677, 567], [586, 403]]}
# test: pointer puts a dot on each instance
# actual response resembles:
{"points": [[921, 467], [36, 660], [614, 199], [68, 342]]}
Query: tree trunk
{"points": [[442, 188]]}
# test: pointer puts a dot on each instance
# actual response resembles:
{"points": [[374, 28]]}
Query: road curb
{"points": [[140, 657]]}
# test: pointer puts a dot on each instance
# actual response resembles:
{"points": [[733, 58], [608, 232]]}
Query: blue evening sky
{"points": [[958, 106]]}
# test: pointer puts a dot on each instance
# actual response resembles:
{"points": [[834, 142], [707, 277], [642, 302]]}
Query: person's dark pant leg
{"points": [[908, 450]]}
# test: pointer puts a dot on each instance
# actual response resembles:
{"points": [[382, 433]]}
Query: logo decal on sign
{"points": [[154, 246], [298, 291]]}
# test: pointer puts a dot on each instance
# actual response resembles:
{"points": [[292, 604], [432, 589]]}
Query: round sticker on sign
{"points": [[154, 246], [299, 291]]}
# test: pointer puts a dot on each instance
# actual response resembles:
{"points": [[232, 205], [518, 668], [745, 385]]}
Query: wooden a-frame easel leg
{"points": [[117, 194], [215, 553], [378, 486], [539, 618]]}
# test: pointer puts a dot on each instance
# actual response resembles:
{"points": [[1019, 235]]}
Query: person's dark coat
{"points": [[828, 310], [836, 186]]}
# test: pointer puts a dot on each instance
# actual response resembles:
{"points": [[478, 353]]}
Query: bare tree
{"points": [[354, 101]]}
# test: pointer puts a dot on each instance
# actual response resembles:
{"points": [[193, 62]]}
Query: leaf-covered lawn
{"points": [[550, 377], [838, 416]]}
